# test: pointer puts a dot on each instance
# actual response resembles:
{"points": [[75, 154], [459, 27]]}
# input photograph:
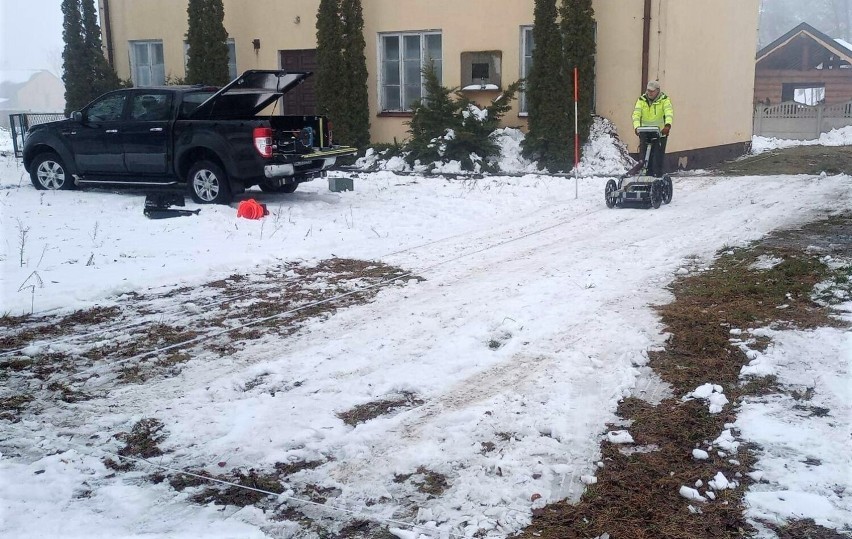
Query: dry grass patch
{"points": [[11, 407], [143, 439], [304, 293], [807, 529], [797, 160], [220, 494], [371, 410], [427, 481]]}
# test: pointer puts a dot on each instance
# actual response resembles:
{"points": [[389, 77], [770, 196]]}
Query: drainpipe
{"points": [[108, 32], [646, 44]]}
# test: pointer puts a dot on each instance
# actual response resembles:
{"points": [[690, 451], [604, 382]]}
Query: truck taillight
{"points": [[263, 141]]}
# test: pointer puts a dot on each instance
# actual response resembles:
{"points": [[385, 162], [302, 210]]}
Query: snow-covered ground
{"points": [[562, 285], [835, 137]]}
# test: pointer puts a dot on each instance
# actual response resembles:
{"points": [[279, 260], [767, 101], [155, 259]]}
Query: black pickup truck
{"points": [[216, 141]]}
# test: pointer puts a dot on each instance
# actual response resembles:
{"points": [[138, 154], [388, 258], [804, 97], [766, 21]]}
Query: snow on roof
{"points": [[844, 43]]}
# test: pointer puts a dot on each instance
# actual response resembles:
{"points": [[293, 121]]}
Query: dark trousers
{"points": [[658, 154]]}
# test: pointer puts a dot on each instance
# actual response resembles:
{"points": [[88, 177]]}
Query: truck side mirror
{"points": [[77, 116]]}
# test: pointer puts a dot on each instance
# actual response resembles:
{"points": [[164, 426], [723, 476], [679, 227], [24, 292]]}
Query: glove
{"points": [[666, 129]]}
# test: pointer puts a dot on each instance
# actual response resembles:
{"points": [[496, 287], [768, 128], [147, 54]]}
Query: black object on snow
{"points": [[158, 206]]}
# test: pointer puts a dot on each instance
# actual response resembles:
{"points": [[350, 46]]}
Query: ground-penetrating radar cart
{"points": [[640, 189]]}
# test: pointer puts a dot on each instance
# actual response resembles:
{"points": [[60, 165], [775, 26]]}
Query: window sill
{"points": [[395, 114], [481, 88]]}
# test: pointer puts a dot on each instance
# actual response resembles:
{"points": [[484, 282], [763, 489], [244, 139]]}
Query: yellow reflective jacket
{"points": [[656, 113]]}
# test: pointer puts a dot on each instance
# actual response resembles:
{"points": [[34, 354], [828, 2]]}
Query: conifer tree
{"points": [[432, 116], [331, 77], [86, 72], [207, 61], [549, 94], [578, 30], [356, 114], [73, 64], [102, 76]]}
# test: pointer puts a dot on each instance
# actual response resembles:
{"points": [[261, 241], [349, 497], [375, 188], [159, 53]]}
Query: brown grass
{"points": [[797, 160], [371, 410]]}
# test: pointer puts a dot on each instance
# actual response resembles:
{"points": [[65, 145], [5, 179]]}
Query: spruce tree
{"points": [[356, 114], [73, 57], [432, 116], [331, 81], [207, 61], [578, 29], [549, 94], [102, 76], [85, 71]]}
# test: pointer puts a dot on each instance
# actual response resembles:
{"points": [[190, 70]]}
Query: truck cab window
{"points": [[150, 107], [107, 109]]}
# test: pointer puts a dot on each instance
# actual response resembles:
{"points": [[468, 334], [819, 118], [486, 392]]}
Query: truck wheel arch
{"points": [[39, 149], [194, 155]]}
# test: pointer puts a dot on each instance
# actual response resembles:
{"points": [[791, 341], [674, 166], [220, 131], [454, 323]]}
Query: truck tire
{"points": [[208, 183], [48, 172]]}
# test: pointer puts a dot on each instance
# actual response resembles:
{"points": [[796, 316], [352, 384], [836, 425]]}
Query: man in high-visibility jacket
{"points": [[653, 109]]}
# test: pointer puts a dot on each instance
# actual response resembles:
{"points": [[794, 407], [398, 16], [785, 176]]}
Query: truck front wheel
{"points": [[208, 183], [48, 172]]}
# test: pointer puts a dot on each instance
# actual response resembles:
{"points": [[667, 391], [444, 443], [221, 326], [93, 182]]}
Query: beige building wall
{"points": [[702, 52], [618, 65], [44, 92], [278, 25], [469, 25]]}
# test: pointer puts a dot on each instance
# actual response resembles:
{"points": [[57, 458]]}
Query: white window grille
{"points": [[147, 66], [402, 57], [527, 47]]}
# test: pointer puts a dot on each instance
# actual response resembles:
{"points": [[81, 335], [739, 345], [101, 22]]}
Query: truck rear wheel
{"points": [[208, 183], [48, 172]]}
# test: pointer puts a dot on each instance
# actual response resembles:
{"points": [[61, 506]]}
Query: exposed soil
{"points": [[372, 410]]}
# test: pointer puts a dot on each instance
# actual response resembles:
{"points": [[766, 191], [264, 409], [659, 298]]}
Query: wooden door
{"points": [[302, 100]]}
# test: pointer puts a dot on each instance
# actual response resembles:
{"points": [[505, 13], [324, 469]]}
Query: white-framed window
{"points": [[147, 67], [232, 57], [527, 46], [402, 57]]}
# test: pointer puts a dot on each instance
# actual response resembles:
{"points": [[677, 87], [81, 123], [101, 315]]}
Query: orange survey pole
{"points": [[576, 130]]}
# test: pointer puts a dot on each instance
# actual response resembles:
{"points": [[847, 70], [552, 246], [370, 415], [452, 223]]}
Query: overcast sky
{"points": [[31, 35]]}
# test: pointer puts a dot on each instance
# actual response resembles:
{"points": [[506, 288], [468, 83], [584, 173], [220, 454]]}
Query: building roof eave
{"points": [[808, 30]]}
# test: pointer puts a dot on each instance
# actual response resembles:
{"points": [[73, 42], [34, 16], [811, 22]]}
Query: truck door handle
{"points": [[156, 130], [112, 131]]}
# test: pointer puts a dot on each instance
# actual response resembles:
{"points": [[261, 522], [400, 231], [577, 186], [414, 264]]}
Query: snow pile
{"points": [[835, 137], [700, 454], [712, 393], [603, 155], [511, 158], [691, 494], [5, 141], [619, 437]]}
